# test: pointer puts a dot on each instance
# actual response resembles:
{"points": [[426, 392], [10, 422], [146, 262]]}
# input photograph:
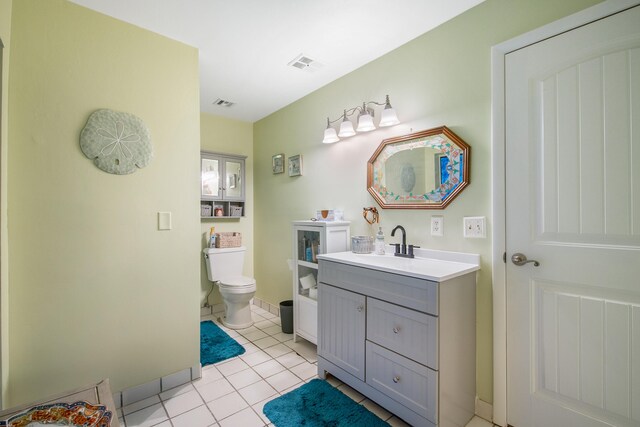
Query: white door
{"points": [[573, 204]]}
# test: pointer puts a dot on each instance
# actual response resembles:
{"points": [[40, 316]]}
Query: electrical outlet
{"points": [[474, 227], [437, 225]]}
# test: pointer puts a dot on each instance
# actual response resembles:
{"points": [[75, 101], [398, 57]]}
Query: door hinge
{"points": [[504, 257]]}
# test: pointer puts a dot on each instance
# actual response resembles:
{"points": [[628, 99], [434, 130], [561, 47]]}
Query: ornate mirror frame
{"points": [[456, 155]]}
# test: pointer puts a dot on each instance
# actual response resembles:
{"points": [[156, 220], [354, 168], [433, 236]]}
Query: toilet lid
{"points": [[237, 281]]}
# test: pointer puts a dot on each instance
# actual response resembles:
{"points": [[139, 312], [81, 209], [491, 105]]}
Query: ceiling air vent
{"points": [[222, 103], [305, 63]]}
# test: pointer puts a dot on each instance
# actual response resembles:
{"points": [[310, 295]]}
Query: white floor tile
{"points": [[146, 417], [247, 330], [283, 380], [268, 368], [264, 324], [276, 320], [164, 424], [290, 389], [376, 409], [353, 394], [140, 404], [177, 391], [257, 392], [290, 359], [270, 316], [266, 342], [245, 418], [257, 317], [479, 422], [282, 337], [333, 381], [277, 350], [215, 389], [250, 348], [241, 340], [227, 405], [273, 329], [198, 417], [258, 408], [244, 378], [305, 349], [397, 422], [255, 335], [232, 366], [305, 370], [183, 403], [255, 358]]}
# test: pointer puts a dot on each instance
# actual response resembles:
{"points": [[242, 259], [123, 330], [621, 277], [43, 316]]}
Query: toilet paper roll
{"points": [[313, 293], [308, 281]]}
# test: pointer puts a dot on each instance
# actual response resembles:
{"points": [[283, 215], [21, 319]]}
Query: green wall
{"points": [[5, 36], [440, 78], [222, 135], [95, 290]]}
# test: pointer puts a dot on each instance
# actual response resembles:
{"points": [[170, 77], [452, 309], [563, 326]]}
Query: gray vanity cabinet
{"points": [[406, 343], [344, 311]]}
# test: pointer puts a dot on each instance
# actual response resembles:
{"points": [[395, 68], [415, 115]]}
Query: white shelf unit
{"points": [[321, 237]]}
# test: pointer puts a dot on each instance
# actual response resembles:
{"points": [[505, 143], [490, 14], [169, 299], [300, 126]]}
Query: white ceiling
{"points": [[245, 45]]}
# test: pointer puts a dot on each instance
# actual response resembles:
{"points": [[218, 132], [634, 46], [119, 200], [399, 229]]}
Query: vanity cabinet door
{"points": [[341, 332]]}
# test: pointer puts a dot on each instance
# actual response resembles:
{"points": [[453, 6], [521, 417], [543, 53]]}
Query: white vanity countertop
{"points": [[428, 264]]}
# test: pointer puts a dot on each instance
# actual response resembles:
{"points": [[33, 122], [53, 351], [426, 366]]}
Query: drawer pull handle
{"points": [[396, 330], [360, 308], [396, 379]]}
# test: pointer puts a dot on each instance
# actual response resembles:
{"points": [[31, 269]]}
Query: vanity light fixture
{"points": [[365, 121]]}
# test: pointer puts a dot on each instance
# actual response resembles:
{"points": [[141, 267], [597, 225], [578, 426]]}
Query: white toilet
{"points": [[224, 267]]}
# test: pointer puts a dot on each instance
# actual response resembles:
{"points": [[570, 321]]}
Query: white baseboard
{"points": [[273, 309], [146, 390], [484, 410]]}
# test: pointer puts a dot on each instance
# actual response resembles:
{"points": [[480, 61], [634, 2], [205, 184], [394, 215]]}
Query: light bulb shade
{"points": [[365, 123], [389, 117], [330, 136], [346, 129]]}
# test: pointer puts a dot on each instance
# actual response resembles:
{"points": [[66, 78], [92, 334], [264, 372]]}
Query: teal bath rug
{"points": [[317, 404], [216, 345]]}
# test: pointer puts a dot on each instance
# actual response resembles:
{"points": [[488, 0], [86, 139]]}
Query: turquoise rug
{"points": [[216, 345], [317, 404]]}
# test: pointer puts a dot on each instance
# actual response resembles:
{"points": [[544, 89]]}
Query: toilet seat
{"points": [[237, 284]]}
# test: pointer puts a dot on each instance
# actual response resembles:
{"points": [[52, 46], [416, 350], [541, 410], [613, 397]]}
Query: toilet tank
{"points": [[224, 262]]}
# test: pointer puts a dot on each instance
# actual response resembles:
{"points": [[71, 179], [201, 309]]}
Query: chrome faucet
{"points": [[402, 250]]}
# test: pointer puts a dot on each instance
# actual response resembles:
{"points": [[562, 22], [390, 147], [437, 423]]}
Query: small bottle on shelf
{"points": [[380, 242]]}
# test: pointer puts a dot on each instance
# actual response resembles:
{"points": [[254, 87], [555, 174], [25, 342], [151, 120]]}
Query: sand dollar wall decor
{"points": [[117, 142]]}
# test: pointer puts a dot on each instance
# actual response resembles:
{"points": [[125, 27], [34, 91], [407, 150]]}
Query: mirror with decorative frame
{"points": [[422, 170]]}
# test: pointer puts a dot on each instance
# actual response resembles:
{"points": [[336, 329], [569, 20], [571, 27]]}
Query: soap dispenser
{"points": [[380, 242]]}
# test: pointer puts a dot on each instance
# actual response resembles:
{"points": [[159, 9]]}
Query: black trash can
{"points": [[286, 316]]}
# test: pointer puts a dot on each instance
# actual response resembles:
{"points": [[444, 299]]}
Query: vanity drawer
{"points": [[408, 332], [418, 294], [405, 381]]}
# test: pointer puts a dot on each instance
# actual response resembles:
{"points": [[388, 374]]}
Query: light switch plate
{"points": [[474, 227], [164, 220], [437, 225]]}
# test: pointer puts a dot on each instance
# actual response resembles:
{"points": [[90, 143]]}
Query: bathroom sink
{"points": [[427, 264]]}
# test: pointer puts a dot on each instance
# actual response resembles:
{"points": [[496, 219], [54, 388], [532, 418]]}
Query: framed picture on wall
{"points": [[277, 163], [295, 165]]}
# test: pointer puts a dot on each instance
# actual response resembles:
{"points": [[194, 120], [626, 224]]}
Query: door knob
{"points": [[521, 259]]}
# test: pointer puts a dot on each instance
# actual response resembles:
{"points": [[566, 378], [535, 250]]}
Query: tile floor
{"points": [[232, 393]]}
